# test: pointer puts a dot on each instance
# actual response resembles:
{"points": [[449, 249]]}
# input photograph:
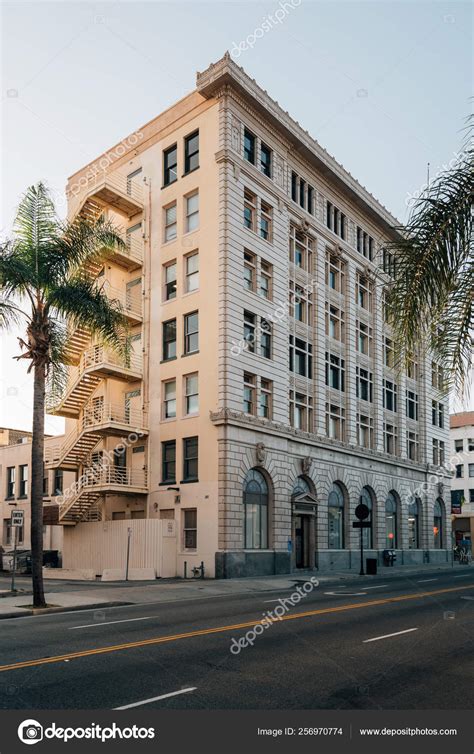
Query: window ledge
{"points": [[189, 481]]}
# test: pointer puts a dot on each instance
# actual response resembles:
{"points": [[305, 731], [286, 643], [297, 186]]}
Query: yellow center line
{"points": [[222, 629]]}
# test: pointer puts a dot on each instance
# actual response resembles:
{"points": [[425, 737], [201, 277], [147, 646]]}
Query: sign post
{"points": [[361, 512], [129, 534], [16, 522]]}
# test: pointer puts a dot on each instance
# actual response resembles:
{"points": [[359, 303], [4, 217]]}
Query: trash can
{"points": [[371, 566]]}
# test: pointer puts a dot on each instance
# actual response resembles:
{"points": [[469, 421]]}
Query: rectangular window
{"points": [[301, 250], [388, 263], [191, 393], [266, 160], [301, 358], [168, 463], [335, 422], [191, 152], [250, 266], [390, 439], [335, 372], [58, 482], [365, 244], [266, 215], [458, 446], [265, 339], [335, 326], [11, 473], [23, 480], [336, 220], [249, 146], [265, 280], [310, 200], [169, 399], [170, 165], [459, 471], [413, 446], [192, 212], [301, 303], [412, 369], [389, 395], [294, 186], [250, 210], [250, 387], [170, 281], [191, 332], [335, 273], [388, 353], [364, 385], [190, 459], [438, 452], [363, 338], [192, 272], [170, 223], [265, 402], [249, 331], [190, 529], [471, 469], [302, 192], [365, 431], [363, 292], [470, 444], [169, 339], [412, 405], [437, 376], [301, 411]]}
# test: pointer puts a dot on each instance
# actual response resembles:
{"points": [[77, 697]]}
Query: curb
{"points": [[59, 609]]}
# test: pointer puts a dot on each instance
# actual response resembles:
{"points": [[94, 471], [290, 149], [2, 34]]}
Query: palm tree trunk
{"points": [[37, 456]]}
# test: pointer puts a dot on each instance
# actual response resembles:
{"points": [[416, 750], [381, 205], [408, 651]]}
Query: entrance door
{"points": [[302, 541]]}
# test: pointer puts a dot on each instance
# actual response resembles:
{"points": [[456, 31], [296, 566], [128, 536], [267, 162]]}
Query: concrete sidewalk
{"points": [[174, 590]]}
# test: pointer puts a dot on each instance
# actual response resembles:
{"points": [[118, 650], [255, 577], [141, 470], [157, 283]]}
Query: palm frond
{"points": [[84, 305], [431, 298]]}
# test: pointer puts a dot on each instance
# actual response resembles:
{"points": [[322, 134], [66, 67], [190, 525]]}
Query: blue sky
{"points": [[383, 86]]}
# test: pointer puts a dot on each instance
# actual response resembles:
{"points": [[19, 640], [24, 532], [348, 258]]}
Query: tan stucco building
{"points": [[260, 402]]}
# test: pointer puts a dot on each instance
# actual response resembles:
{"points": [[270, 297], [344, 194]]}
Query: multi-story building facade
{"points": [[260, 401], [15, 477], [462, 484]]}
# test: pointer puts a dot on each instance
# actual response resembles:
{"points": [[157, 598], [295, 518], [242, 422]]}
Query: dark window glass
{"points": [[168, 450], [170, 165], [294, 184], [266, 160], [169, 339], [191, 332], [191, 152], [249, 147], [190, 458]]}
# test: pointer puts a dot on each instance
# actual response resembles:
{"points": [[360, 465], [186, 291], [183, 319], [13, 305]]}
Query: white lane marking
{"points": [[379, 586], [109, 623], [345, 594], [156, 698], [265, 601], [425, 581], [388, 636], [463, 576], [468, 598]]}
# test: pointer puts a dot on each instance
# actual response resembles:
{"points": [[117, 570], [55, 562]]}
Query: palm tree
{"points": [[46, 287], [432, 294]]}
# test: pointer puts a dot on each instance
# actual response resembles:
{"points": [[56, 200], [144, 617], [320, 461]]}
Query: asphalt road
{"points": [[404, 643]]}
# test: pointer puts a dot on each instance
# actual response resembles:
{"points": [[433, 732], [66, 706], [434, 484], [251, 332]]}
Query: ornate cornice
{"points": [[225, 73], [238, 418]]}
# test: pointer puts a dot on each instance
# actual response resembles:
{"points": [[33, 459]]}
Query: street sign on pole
{"points": [[16, 521], [361, 512], [17, 518]]}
